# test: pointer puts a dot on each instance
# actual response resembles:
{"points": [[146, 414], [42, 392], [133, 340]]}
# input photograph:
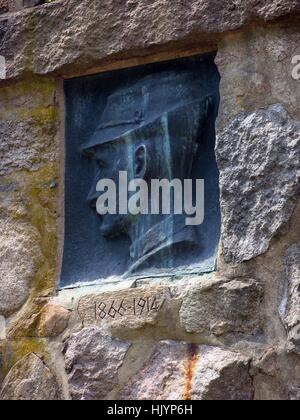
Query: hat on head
{"points": [[136, 106]]}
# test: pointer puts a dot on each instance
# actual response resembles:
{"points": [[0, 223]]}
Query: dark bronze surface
{"points": [[155, 122]]}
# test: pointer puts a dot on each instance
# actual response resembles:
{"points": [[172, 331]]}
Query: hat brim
{"points": [[123, 133]]}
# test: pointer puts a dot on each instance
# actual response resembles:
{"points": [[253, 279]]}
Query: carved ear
{"points": [[140, 162]]}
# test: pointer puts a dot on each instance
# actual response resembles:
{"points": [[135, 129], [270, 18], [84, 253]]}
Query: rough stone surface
{"points": [[30, 379], [4, 5], [258, 154], [294, 393], [2, 328], [28, 150], [276, 375], [130, 309], [18, 262], [26, 145], [218, 306], [15, 5], [210, 306], [3, 26], [28, 246], [222, 375], [53, 320], [258, 158], [32, 3], [256, 68], [2, 349], [186, 371], [292, 298], [66, 34], [28, 126], [162, 377], [93, 359]]}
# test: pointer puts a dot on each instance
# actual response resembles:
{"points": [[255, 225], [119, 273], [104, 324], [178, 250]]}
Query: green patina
{"points": [[41, 115], [42, 210], [37, 95], [31, 86], [22, 332], [41, 201], [13, 351], [33, 99]]}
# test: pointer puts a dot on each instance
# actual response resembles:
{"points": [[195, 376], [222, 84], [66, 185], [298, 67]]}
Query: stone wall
{"points": [[233, 334]]}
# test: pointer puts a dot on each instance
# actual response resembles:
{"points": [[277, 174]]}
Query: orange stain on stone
{"points": [[189, 369]]}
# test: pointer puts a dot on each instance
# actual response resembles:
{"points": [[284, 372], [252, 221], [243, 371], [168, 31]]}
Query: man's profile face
{"points": [[108, 161], [139, 161]]}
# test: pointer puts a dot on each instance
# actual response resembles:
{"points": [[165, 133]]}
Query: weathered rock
{"points": [[163, 376], [2, 328], [19, 253], [276, 375], [129, 309], [53, 320], [28, 125], [210, 306], [27, 144], [219, 306], [178, 370], [28, 241], [221, 375], [93, 359], [4, 5], [256, 69], [292, 298], [72, 35], [294, 392], [30, 379], [3, 26], [32, 3], [2, 360], [15, 5], [258, 158]]}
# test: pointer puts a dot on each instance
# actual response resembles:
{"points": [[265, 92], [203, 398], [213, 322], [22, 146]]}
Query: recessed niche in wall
{"points": [[151, 122]]}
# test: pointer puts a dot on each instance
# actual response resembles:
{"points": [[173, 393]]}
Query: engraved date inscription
{"points": [[135, 306]]}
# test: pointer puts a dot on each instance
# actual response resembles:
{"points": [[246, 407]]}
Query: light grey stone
{"points": [[222, 375], [73, 35], [4, 6], [26, 144], [258, 157], [14, 5], [30, 379], [294, 392], [292, 299], [183, 371], [162, 377], [128, 309], [19, 253], [276, 375], [218, 306], [93, 359], [256, 68], [28, 125], [2, 328]]}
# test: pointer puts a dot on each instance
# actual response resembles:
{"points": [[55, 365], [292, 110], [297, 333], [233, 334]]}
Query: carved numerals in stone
{"points": [[132, 306], [136, 306]]}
